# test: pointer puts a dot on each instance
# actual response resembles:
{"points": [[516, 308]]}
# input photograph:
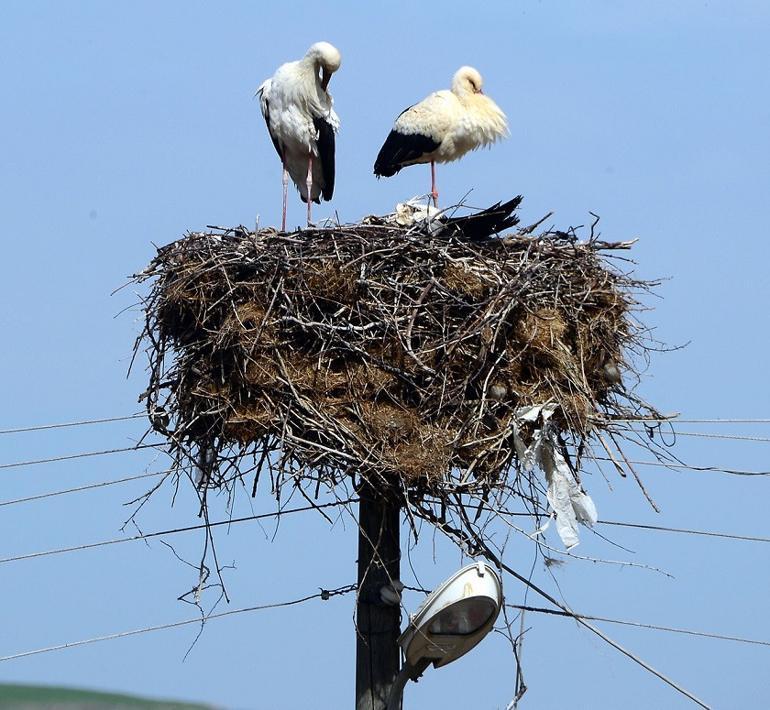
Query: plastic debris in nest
{"points": [[569, 502], [415, 211]]}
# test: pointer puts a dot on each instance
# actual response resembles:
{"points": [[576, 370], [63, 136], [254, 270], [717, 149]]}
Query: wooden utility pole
{"points": [[378, 623]]}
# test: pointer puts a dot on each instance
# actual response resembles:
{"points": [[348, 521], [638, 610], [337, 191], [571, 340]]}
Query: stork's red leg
{"points": [[309, 185], [285, 181], [433, 190]]}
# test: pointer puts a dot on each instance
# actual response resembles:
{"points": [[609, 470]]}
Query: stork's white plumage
{"points": [[443, 127], [301, 121]]}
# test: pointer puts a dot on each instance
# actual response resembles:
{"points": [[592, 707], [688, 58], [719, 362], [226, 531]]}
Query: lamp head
{"points": [[453, 618]]}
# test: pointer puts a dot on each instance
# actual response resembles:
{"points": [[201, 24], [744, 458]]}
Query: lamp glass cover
{"points": [[463, 618]]}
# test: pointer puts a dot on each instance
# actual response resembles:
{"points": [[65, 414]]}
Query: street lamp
{"points": [[449, 623]]}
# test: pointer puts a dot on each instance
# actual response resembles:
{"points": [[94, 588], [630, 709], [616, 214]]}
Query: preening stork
{"points": [[301, 121], [442, 127]]}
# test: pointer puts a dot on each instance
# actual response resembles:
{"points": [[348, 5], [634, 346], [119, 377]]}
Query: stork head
{"points": [[467, 80], [326, 58]]}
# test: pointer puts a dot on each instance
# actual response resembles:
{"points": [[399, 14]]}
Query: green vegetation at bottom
{"points": [[36, 696]]}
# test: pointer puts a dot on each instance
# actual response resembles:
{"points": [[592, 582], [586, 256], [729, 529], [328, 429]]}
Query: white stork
{"points": [[301, 121], [442, 127]]}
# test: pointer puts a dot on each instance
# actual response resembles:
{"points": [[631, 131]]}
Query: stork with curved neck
{"points": [[297, 108], [443, 127]]}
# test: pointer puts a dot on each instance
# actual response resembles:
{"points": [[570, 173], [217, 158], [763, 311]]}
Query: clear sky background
{"points": [[125, 124]]}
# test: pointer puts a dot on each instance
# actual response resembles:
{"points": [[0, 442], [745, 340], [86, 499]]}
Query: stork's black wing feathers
{"points": [[266, 112], [326, 153], [484, 224], [400, 149]]}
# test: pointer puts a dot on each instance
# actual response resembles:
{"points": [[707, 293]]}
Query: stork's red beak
{"points": [[325, 77]]}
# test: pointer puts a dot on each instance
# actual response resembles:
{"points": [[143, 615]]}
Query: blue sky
{"points": [[124, 125]]}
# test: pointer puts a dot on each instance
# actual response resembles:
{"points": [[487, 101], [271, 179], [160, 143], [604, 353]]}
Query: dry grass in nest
{"points": [[543, 330], [380, 352]]}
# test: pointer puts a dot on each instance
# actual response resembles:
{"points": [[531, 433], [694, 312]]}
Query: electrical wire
{"points": [[641, 625], [677, 420], [85, 454], [666, 464], [730, 437], [655, 528], [82, 422], [706, 533], [105, 420], [323, 594], [719, 421], [87, 487], [141, 415], [173, 531], [660, 528], [707, 435]]}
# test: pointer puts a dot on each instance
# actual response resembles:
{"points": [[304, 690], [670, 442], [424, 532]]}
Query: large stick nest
{"points": [[386, 352]]}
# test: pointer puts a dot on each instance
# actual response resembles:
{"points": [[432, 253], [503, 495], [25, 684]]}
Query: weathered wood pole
{"points": [[379, 624]]}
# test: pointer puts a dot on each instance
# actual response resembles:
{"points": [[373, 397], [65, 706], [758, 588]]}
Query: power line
{"points": [[88, 487], [731, 437], [706, 533], [105, 420], [663, 464], [707, 435], [657, 528], [719, 421], [677, 420], [666, 464], [323, 594], [173, 531], [82, 422], [638, 624], [85, 454]]}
